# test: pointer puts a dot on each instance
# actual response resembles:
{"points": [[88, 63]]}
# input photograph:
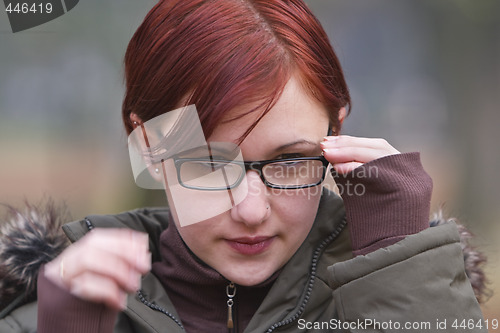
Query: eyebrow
{"points": [[291, 144], [211, 149], [275, 150]]}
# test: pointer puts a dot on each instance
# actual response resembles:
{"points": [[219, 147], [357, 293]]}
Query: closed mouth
{"points": [[250, 245]]}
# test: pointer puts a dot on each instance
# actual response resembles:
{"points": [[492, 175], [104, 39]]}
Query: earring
{"points": [[157, 170]]}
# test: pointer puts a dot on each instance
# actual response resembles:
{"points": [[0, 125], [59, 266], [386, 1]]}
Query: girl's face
{"points": [[255, 238]]}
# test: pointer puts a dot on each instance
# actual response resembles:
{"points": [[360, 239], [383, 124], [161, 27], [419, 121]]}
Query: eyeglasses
{"points": [[217, 174]]}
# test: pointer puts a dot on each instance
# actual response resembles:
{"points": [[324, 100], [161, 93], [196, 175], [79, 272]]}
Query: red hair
{"points": [[226, 53]]}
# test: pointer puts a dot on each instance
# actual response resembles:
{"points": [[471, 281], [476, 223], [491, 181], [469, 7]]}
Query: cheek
{"points": [[198, 238], [298, 210]]}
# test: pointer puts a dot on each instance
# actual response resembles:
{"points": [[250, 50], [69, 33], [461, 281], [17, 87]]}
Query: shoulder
{"points": [[148, 220], [143, 219]]}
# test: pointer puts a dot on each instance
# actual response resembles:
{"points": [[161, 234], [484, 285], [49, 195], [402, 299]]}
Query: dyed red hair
{"points": [[227, 53]]}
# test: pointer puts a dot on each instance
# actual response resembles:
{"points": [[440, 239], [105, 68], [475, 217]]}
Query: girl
{"points": [[250, 241]]}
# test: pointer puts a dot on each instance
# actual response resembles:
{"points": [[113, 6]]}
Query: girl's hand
{"points": [[103, 266], [385, 206], [346, 153]]}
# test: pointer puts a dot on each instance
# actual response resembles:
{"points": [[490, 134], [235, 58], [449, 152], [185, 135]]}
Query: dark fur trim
{"points": [[474, 260], [28, 238]]}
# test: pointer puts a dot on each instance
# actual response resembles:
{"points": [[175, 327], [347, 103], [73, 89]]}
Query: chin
{"points": [[249, 281], [250, 277]]}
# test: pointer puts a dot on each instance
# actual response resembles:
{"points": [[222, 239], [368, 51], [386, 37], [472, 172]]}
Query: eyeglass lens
{"points": [[224, 174]]}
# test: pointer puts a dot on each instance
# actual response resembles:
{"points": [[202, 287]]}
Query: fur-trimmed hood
{"points": [[474, 260], [29, 238], [33, 236]]}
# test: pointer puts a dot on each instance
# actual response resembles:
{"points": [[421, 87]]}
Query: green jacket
{"points": [[419, 281], [21, 320]]}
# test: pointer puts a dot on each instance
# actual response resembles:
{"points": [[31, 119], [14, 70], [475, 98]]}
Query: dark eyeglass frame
{"points": [[252, 166]]}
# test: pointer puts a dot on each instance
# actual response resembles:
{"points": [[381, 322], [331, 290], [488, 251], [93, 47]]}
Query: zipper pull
{"points": [[230, 292], [230, 323]]}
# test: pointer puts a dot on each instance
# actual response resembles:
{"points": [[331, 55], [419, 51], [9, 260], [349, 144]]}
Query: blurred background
{"points": [[425, 75]]}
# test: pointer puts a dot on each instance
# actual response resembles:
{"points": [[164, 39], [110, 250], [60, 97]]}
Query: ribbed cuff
{"points": [[60, 311], [385, 200]]}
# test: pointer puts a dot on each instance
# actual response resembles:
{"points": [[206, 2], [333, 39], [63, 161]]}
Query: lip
{"points": [[250, 245]]}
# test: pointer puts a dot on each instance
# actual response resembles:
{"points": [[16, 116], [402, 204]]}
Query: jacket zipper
{"points": [[230, 292], [312, 277], [155, 307]]}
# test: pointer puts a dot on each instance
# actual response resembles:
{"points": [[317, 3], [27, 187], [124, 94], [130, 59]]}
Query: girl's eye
{"points": [[213, 165], [289, 155], [290, 163]]}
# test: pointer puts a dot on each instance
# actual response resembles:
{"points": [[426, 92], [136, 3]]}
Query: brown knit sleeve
{"points": [[59, 311], [385, 200]]}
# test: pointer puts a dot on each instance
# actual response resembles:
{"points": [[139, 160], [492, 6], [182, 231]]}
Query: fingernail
{"points": [[330, 138], [329, 143], [329, 150]]}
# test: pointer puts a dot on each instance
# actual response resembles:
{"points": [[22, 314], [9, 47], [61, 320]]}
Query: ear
{"points": [[156, 170], [134, 118], [342, 115]]}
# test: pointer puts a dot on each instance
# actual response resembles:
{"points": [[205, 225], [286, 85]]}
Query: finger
{"points": [[118, 239], [130, 245], [353, 141], [100, 263], [55, 272], [99, 289], [352, 154], [345, 168]]}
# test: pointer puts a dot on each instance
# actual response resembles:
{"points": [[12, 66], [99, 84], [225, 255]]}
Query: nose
{"points": [[255, 207]]}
